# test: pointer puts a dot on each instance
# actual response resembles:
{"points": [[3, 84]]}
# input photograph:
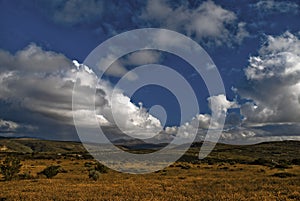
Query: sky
{"points": [[254, 45]]}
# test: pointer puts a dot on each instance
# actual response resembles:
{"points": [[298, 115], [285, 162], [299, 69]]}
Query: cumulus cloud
{"points": [[44, 98], [272, 108], [131, 119], [239, 128], [202, 122], [220, 103], [206, 22], [274, 81], [39, 85], [33, 59]]}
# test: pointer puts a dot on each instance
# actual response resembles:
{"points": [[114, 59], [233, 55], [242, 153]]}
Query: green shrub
{"points": [[224, 168], [262, 161], [88, 164], [101, 168], [94, 175], [96, 172], [184, 167], [50, 171], [10, 168]]}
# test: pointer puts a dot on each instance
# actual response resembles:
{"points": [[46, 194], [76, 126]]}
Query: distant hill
{"points": [[266, 152], [30, 145]]}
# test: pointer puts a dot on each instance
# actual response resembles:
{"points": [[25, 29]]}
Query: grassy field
{"points": [[187, 179]]}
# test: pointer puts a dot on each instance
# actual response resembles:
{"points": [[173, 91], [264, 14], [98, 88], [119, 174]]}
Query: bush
{"points": [[10, 168], [184, 167], [94, 175], [224, 168], [101, 168], [95, 172], [262, 161], [50, 171], [88, 164]]}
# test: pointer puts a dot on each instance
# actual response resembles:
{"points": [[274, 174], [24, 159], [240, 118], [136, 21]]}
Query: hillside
{"points": [[31, 145], [267, 152]]}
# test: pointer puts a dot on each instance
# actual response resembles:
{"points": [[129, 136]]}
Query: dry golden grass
{"points": [[200, 182]]}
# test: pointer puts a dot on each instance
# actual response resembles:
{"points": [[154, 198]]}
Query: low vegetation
{"points": [[101, 168], [228, 173], [94, 175], [10, 168], [50, 171], [284, 175]]}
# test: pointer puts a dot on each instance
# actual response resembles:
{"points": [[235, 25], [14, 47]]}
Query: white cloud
{"points": [[171, 130], [118, 68], [33, 59], [241, 32], [157, 10], [272, 110], [277, 6], [115, 67], [143, 57], [44, 92], [202, 122], [256, 133], [274, 78], [133, 120], [8, 126], [208, 21], [220, 103]]}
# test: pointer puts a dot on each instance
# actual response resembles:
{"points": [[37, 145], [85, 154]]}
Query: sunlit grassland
{"points": [[181, 181]]}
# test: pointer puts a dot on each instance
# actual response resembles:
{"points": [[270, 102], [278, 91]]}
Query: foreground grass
{"points": [[182, 181]]}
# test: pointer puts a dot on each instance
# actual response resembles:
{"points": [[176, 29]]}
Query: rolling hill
{"points": [[287, 152]]}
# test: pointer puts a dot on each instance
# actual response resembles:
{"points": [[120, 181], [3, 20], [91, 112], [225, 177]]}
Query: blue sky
{"points": [[254, 44]]}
